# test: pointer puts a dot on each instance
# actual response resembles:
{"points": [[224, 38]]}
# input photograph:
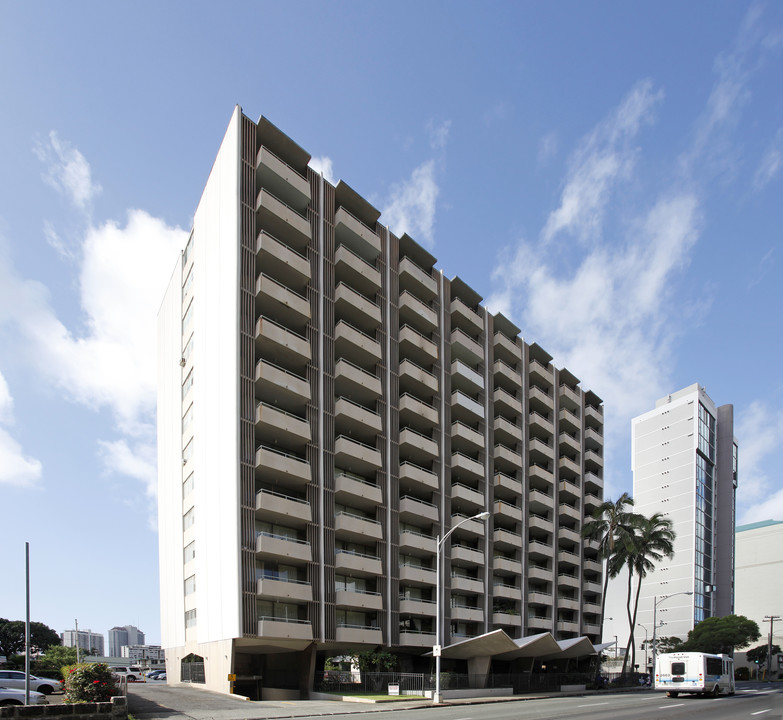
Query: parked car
{"points": [[13, 696], [152, 674], [132, 673], [15, 679]]}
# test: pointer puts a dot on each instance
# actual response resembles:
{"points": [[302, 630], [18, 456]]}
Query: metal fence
{"points": [[193, 672], [355, 683]]}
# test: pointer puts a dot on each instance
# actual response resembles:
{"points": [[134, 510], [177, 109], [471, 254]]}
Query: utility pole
{"points": [[771, 619], [76, 625]]}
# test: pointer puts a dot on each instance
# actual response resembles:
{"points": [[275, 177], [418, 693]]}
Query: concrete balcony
{"points": [[357, 564], [540, 550], [466, 556], [282, 262], [540, 502], [414, 543], [569, 420], [568, 626], [568, 559], [358, 419], [462, 494], [506, 376], [501, 618], [591, 628], [415, 575], [540, 451], [460, 583], [412, 475], [505, 539], [540, 400], [501, 453], [416, 313], [355, 235], [594, 439], [356, 271], [279, 426], [540, 425], [354, 344], [541, 523], [272, 464], [567, 580], [593, 483], [465, 465], [594, 459], [570, 466], [569, 444], [467, 614], [539, 598], [358, 310], [592, 586], [286, 629], [282, 509], [416, 413], [352, 491], [464, 436], [417, 639], [417, 447], [462, 315], [506, 349], [359, 600], [282, 345], [506, 431], [540, 474], [348, 526], [534, 572], [290, 308], [421, 283], [417, 347], [570, 511], [570, 397], [541, 374], [569, 491], [284, 590], [565, 533], [281, 548], [539, 624], [409, 606], [285, 182], [595, 415], [463, 406], [507, 402], [413, 509], [465, 347], [506, 592], [507, 565], [592, 566], [359, 635], [474, 528], [417, 379], [351, 381], [288, 390], [355, 456], [508, 511], [592, 503], [507, 485], [465, 377], [283, 221]]}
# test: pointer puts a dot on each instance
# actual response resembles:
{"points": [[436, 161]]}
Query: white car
{"points": [[12, 696], [15, 679], [133, 674]]}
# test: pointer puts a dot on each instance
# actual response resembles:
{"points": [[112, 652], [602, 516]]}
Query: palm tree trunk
{"points": [[628, 611], [633, 622]]}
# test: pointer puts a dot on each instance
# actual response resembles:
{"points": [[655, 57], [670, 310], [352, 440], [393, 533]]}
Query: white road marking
{"points": [[760, 712], [664, 707], [593, 704]]}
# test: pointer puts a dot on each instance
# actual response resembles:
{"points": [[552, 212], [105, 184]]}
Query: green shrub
{"points": [[89, 682], [742, 673]]}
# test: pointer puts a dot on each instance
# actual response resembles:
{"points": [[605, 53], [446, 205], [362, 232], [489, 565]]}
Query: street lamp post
{"points": [[646, 648], [657, 602], [438, 630]]}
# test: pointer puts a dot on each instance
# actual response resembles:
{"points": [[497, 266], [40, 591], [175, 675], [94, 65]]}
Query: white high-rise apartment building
{"points": [[684, 457], [85, 639], [329, 403]]}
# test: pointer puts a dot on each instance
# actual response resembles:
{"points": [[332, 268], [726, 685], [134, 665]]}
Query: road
{"points": [[752, 702]]}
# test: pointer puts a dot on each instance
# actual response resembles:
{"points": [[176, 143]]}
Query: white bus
{"points": [[694, 672]]}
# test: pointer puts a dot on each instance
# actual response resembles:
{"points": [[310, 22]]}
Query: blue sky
{"points": [[608, 174]]}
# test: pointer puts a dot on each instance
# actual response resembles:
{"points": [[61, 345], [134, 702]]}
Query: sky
{"points": [[609, 175]]}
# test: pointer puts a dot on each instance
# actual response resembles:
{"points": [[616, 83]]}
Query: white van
{"points": [[694, 672]]}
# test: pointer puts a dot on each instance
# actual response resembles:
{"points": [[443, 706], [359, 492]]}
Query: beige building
{"points": [[329, 404]]}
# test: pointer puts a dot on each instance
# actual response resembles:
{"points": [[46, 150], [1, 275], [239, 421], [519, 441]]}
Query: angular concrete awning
{"points": [[532, 646], [498, 644], [574, 647]]}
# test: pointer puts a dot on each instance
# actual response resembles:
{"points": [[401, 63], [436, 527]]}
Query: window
{"points": [[188, 250], [188, 319], [187, 384], [187, 453], [190, 585], [190, 619], [188, 519], [187, 486], [187, 286], [190, 551], [187, 418], [188, 349]]}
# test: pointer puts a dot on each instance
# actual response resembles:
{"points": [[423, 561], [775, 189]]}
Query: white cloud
{"points": [[411, 207], [138, 462], [15, 467], [439, 134], [323, 165], [547, 148], [771, 162], [68, 171], [604, 157]]}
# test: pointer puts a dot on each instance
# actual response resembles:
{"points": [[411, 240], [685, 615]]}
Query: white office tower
{"points": [[685, 466]]}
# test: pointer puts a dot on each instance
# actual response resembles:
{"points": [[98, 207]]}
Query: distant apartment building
{"points": [[153, 653], [328, 405], [90, 642], [119, 637], [685, 466]]}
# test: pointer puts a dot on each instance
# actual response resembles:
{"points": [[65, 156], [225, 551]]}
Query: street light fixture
{"points": [[657, 602], [438, 631]]}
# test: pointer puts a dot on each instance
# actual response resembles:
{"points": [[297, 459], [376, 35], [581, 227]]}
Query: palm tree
{"points": [[610, 521], [650, 541]]}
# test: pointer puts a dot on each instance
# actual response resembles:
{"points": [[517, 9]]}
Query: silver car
{"points": [[15, 679], [12, 696]]}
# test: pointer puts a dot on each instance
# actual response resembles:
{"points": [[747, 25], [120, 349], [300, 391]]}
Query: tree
{"points": [[650, 541], [759, 653], [52, 662], [609, 521], [721, 634], [12, 637], [375, 661], [664, 644]]}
